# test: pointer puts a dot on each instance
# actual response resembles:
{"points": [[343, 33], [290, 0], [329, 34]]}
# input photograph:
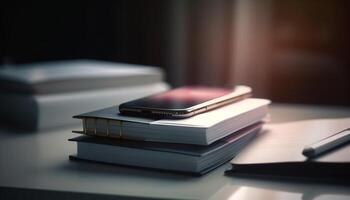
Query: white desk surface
{"points": [[35, 165]]}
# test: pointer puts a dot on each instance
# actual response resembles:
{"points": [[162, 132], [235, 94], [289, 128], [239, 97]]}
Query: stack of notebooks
{"points": [[194, 145], [45, 95]]}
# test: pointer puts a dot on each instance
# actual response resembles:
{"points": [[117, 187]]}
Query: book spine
{"points": [[102, 127]]}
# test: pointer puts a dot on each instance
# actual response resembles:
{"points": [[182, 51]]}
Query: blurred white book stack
{"points": [[46, 95]]}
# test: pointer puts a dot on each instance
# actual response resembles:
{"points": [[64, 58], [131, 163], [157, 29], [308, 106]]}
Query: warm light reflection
{"points": [[262, 194]]}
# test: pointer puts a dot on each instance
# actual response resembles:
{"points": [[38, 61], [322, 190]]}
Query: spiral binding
{"points": [[94, 132]]}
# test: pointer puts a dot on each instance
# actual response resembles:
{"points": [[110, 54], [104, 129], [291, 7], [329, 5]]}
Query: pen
{"points": [[327, 143]]}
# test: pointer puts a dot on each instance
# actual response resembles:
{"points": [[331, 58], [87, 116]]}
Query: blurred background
{"points": [[288, 51]]}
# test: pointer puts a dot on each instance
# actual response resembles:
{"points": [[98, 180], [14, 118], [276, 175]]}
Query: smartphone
{"points": [[184, 102]]}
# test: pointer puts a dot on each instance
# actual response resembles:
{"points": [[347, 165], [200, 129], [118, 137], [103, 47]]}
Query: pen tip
{"points": [[308, 152]]}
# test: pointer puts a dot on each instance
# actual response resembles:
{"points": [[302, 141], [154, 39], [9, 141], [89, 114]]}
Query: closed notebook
{"points": [[202, 129], [196, 159], [278, 152], [39, 112], [74, 75]]}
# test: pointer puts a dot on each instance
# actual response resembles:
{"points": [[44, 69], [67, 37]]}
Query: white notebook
{"points": [[202, 129]]}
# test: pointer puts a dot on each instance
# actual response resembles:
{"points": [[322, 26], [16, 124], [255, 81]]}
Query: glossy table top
{"points": [[39, 162]]}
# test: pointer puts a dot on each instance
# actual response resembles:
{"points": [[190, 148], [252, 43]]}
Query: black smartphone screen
{"points": [[180, 98]]}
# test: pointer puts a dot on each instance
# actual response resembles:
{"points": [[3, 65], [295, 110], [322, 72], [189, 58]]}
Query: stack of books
{"points": [[45, 95], [193, 145]]}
